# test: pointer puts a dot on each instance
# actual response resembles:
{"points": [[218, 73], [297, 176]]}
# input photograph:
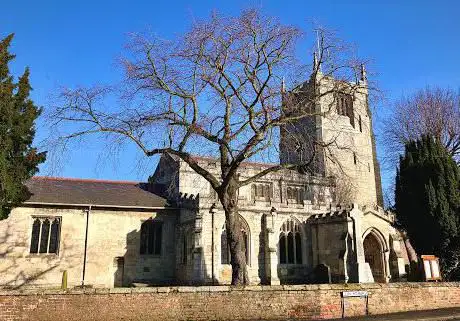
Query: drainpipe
{"points": [[212, 210], [88, 211]]}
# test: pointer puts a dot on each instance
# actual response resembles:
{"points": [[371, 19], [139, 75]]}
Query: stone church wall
{"points": [[111, 234]]}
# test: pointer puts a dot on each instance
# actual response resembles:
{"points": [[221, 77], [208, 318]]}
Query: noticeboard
{"points": [[431, 270]]}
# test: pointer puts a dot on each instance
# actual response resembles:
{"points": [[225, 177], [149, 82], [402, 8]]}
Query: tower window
{"points": [[360, 124], [355, 160], [345, 106]]}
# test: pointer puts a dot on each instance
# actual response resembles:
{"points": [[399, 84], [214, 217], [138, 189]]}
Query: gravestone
{"points": [[322, 274]]}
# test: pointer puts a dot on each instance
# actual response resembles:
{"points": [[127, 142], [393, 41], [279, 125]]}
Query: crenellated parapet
{"points": [[379, 211], [188, 201], [335, 214]]}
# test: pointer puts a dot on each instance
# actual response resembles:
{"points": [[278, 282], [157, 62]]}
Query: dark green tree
{"points": [[427, 201], [18, 159]]}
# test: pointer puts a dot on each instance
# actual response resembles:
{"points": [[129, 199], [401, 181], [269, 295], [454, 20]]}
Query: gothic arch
{"points": [[378, 235], [375, 253], [291, 246], [225, 249]]}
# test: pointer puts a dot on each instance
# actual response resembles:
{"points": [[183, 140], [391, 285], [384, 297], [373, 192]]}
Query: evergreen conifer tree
{"points": [[18, 159], [427, 201]]}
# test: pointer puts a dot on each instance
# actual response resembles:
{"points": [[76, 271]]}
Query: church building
{"points": [[298, 227]]}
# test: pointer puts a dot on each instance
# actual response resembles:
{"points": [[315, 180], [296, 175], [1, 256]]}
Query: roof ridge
{"points": [[245, 162], [89, 180]]}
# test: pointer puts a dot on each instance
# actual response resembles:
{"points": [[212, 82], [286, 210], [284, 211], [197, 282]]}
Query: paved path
{"points": [[433, 315]]}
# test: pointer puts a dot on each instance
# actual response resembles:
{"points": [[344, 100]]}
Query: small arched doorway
{"points": [[373, 254]]}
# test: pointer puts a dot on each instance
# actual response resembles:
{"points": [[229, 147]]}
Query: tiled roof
{"points": [[70, 191], [216, 159]]}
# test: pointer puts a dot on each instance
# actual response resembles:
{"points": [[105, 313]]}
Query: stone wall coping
{"points": [[221, 288]]}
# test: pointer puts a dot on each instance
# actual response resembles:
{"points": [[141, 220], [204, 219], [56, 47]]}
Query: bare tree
{"points": [[430, 111], [219, 89], [345, 191]]}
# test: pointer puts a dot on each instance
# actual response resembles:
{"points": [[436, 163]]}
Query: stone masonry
{"points": [[286, 302]]}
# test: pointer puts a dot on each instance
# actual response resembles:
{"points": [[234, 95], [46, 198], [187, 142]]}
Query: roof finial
{"points": [[363, 73], [315, 62], [283, 86]]}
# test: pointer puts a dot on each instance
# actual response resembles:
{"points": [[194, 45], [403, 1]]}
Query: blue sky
{"points": [[412, 43]]}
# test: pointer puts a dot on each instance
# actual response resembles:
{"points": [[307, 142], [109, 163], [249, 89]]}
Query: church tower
{"points": [[337, 135]]}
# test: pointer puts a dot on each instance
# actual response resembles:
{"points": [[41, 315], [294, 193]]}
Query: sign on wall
{"points": [[355, 294]]}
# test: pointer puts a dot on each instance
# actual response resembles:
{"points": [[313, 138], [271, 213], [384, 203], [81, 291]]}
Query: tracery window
{"points": [[45, 235], [151, 234], [295, 194], [261, 191], [321, 192], [345, 106], [187, 246], [308, 193], [225, 247], [290, 243]]}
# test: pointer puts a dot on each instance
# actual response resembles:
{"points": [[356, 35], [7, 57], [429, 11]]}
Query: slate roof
{"points": [[71, 191], [216, 159]]}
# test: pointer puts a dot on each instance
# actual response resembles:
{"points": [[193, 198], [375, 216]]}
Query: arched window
{"points": [[35, 236], [54, 237], [308, 193], [261, 191], [151, 234], [345, 106], [321, 194], [290, 243], [45, 235], [225, 247], [187, 246], [295, 194]]}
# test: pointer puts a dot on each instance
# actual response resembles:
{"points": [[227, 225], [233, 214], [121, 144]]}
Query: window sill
{"points": [[42, 255], [150, 256]]}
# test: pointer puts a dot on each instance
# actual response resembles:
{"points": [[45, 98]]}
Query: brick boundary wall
{"points": [[223, 302]]}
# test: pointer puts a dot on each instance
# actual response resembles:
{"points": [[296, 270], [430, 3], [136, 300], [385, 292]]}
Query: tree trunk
{"points": [[229, 199], [414, 270], [412, 255]]}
